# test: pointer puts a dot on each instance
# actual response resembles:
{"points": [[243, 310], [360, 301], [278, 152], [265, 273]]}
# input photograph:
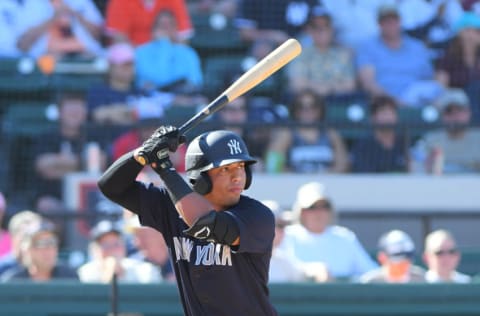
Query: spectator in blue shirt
{"points": [[164, 63], [396, 64]]}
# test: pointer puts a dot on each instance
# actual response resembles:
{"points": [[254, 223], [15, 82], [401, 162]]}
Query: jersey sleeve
{"points": [[256, 224]]}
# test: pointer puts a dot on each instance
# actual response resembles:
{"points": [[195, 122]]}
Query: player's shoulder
{"points": [[248, 204]]}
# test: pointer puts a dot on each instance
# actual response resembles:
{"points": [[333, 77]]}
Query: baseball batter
{"points": [[220, 241]]}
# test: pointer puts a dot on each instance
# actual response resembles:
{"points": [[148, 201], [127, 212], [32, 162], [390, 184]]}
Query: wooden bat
{"points": [[275, 60]]}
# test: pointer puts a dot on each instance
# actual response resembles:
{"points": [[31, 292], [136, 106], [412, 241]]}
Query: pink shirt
{"points": [[5, 243]]}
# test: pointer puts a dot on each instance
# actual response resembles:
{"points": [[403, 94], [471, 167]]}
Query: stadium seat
{"points": [[27, 118], [215, 34]]}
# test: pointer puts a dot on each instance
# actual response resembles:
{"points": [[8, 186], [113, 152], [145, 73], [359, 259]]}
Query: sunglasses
{"points": [[45, 243], [450, 252]]}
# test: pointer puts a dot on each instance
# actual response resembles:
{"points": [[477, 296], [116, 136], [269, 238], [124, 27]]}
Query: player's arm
{"points": [[196, 211], [118, 183]]}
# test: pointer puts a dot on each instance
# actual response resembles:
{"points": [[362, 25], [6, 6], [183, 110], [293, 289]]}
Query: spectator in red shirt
{"points": [[132, 20]]}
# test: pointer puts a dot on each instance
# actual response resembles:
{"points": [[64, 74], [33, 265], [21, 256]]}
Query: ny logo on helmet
{"points": [[234, 146]]}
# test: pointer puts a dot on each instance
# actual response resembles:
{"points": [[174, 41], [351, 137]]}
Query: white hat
{"points": [[310, 193], [307, 195], [454, 96]]}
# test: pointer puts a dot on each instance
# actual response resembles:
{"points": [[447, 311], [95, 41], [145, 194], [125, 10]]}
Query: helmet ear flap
{"points": [[202, 184]]}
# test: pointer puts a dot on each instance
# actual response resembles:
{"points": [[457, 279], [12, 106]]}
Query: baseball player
{"points": [[220, 240]]}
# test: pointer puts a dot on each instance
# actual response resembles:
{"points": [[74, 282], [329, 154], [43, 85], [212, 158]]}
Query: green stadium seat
{"points": [[27, 118], [215, 34]]}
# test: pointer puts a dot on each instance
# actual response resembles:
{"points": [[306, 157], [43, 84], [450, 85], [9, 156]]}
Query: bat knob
{"points": [[141, 159]]}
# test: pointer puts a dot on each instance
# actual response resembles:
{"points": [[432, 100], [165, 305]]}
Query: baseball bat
{"points": [[275, 60]]}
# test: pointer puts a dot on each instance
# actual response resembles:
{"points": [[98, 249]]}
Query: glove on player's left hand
{"points": [[155, 149]]}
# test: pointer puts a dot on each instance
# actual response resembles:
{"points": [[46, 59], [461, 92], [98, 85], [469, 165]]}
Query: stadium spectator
{"points": [[109, 256], [12, 25], [433, 22], [40, 260], [460, 65], [17, 228], [5, 238], [162, 63], [272, 19], [62, 150], [132, 20], [147, 244], [110, 102], [396, 64], [317, 239], [62, 28], [324, 67], [442, 257], [396, 252], [453, 149], [307, 148], [284, 266], [353, 21], [384, 150]]}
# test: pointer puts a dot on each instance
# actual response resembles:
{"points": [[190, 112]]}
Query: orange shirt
{"points": [[135, 20]]}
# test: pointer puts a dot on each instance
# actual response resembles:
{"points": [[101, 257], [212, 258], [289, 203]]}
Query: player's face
{"points": [[228, 183]]}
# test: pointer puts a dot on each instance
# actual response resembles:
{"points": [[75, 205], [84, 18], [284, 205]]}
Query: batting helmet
{"points": [[211, 150]]}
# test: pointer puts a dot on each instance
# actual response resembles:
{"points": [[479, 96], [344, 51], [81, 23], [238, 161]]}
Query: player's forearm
{"points": [[118, 182], [189, 204], [27, 39]]}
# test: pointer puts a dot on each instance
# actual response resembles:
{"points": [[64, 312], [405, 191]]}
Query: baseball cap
{"points": [[397, 245], [386, 10], [453, 97], [310, 193], [120, 53], [35, 228], [104, 227]]}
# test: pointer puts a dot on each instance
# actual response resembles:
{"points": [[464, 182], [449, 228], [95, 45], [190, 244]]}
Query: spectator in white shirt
{"points": [[316, 239], [442, 257]]}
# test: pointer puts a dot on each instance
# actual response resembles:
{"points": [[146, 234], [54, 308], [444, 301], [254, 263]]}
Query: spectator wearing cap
{"points": [[17, 228], [442, 257], [40, 260], [453, 149], [109, 102], [396, 64], [108, 257], [316, 239], [324, 67], [396, 252], [147, 244], [5, 238], [284, 266]]}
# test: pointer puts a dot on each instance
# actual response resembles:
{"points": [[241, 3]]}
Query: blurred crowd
{"points": [[371, 61]]}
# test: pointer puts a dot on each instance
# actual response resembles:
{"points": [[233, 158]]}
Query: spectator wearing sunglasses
{"points": [[442, 257], [316, 239], [108, 251], [39, 261], [396, 252]]}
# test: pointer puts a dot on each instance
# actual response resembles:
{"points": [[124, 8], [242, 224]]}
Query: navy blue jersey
{"points": [[216, 279]]}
